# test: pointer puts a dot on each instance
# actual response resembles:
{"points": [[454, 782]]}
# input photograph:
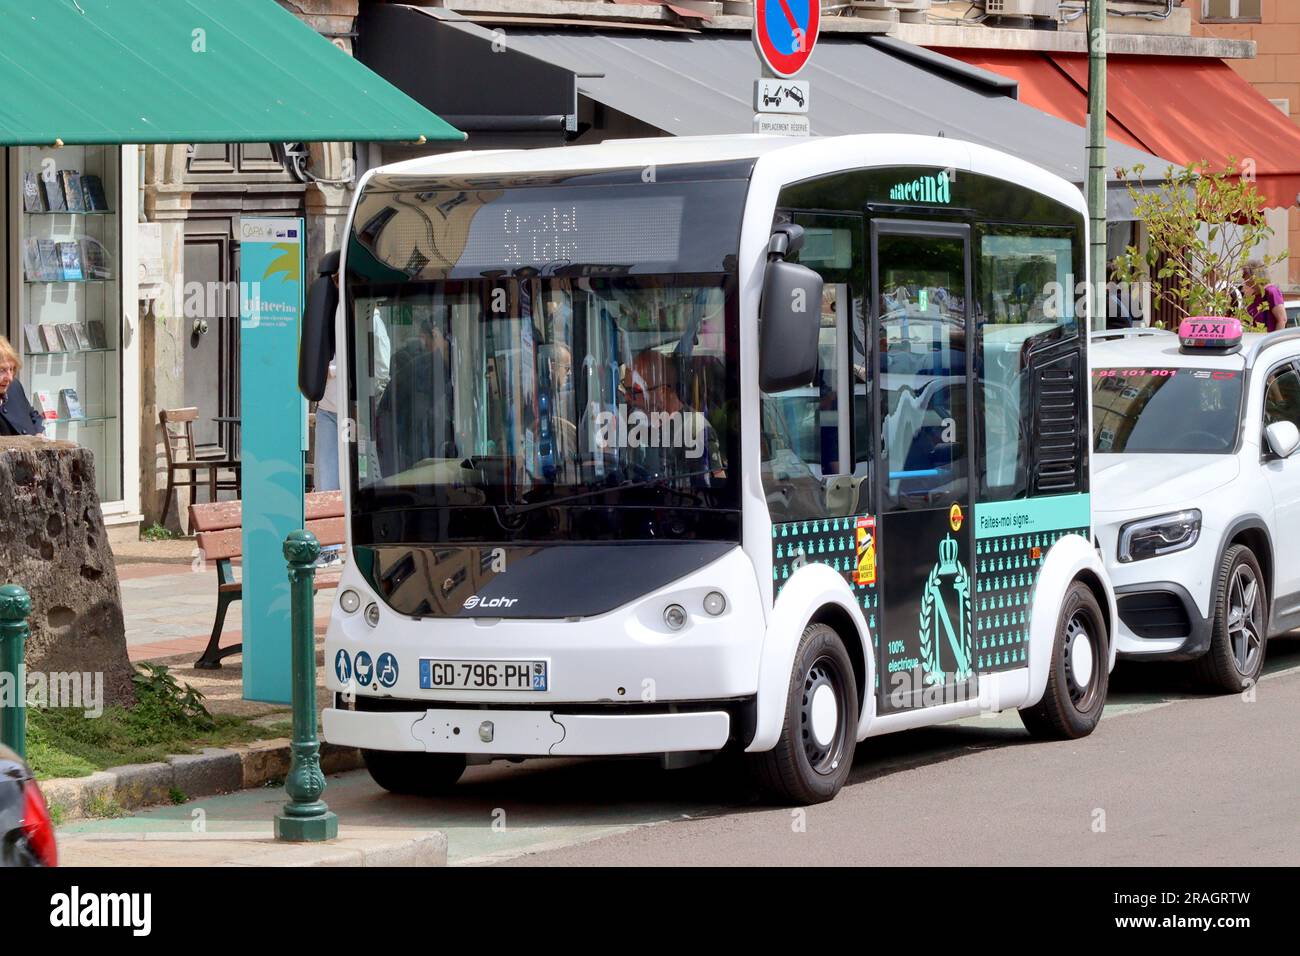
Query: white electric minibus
{"points": [[683, 445]]}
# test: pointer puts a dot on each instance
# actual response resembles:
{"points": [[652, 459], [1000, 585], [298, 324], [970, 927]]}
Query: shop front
{"points": [[80, 242], [65, 300]]}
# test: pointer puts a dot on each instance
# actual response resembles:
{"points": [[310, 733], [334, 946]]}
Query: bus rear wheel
{"points": [[814, 754], [412, 773], [1079, 672]]}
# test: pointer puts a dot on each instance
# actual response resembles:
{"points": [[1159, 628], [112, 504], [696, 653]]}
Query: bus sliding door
{"points": [[921, 314]]}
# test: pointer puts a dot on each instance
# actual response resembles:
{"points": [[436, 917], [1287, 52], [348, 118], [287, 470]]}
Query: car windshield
{"points": [[1145, 410]]}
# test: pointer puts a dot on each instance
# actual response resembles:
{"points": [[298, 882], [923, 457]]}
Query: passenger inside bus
{"points": [[411, 431], [685, 445]]}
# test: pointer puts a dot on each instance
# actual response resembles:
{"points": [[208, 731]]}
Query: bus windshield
{"points": [[1146, 410], [530, 362]]}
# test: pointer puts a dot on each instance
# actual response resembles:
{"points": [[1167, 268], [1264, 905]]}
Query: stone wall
{"points": [[53, 543]]}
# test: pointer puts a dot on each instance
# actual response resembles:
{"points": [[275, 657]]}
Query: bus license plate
{"points": [[484, 675]]}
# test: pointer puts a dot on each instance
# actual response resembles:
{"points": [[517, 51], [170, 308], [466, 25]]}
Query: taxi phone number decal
{"points": [[1218, 374]]}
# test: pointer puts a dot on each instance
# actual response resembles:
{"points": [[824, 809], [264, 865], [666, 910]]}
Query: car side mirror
{"points": [[1283, 438], [789, 315], [316, 348]]}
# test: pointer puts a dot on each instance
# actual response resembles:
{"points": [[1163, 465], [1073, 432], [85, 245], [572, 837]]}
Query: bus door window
{"points": [[808, 467], [922, 303], [1026, 301]]}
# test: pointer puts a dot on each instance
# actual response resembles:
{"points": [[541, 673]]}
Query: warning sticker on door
{"points": [[865, 534]]}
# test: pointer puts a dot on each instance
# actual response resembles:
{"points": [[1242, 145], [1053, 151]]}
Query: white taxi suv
{"points": [[1196, 491]]}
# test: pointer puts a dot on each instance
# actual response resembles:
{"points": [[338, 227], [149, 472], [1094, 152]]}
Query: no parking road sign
{"points": [[784, 33]]}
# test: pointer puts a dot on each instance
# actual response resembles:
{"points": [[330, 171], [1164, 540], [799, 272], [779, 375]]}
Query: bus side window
{"points": [[1025, 303], [805, 430]]}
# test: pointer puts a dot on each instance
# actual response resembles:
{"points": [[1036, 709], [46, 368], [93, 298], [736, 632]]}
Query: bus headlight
{"points": [[372, 614], [1163, 534], [675, 617], [350, 600], [715, 602]]}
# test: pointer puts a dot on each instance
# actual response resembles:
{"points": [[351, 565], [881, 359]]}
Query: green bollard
{"points": [[15, 605], [305, 818]]}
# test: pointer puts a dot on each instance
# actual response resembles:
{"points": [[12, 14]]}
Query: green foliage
{"points": [[104, 807], [156, 532], [164, 705], [58, 813], [177, 796], [1204, 226], [169, 718]]}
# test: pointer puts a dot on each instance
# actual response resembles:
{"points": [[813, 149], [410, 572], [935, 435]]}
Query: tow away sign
{"points": [[781, 96]]}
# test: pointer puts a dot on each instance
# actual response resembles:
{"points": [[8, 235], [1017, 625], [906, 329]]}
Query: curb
{"points": [[429, 849], [211, 771], [354, 846]]}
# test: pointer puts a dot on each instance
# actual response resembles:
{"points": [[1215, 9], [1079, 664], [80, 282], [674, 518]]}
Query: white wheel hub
{"points": [[1081, 660], [825, 715]]}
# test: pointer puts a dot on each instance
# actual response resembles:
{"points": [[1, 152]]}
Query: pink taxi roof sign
{"points": [[1210, 334]]}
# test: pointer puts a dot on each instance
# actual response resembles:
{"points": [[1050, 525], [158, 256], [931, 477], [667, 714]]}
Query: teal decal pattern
{"points": [[846, 545], [944, 635], [1006, 567]]}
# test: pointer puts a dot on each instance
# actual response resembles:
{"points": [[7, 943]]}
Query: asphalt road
{"points": [[1170, 777], [1190, 780]]}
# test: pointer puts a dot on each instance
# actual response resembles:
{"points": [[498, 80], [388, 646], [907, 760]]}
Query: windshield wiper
{"points": [[511, 510]]}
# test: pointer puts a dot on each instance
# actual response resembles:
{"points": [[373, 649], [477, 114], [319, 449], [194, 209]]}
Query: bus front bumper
{"points": [[526, 733]]}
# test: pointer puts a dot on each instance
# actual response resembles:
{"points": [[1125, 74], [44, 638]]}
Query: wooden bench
{"points": [[219, 527]]}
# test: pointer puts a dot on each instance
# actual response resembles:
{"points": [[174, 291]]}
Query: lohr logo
{"points": [[475, 601]]}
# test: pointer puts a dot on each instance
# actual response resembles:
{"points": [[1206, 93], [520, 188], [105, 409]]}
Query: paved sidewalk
{"points": [[169, 600]]}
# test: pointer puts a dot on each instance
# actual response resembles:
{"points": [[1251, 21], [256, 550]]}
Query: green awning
{"points": [[188, 71]]}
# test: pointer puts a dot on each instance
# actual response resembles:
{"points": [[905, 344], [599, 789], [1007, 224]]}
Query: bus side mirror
{"points": [[316, 348], [789, 317]]}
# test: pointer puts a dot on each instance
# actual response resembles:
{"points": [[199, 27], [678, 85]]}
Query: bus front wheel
{"points": [[1079, 673], [814, 754], [414, 774]]}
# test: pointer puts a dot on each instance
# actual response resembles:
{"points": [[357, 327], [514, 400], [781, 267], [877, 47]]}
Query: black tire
{"points": [[1071, 707], [1235, 658], [413, 773], [804, 768]]}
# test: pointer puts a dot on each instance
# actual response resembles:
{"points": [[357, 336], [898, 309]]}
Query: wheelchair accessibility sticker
{"points": [[387, 672]]}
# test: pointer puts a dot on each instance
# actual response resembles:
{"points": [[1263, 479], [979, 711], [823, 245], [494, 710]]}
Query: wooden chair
{"points": [[183, 460]]}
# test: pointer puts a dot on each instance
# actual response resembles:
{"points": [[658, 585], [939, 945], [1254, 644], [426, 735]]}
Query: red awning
{"points": [[1183, 108]]}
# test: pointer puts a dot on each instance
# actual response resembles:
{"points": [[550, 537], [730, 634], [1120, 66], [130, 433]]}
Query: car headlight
{"points": [[1163, 534]]}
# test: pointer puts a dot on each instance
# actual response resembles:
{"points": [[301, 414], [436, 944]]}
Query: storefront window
{"points": [[66, 203]]}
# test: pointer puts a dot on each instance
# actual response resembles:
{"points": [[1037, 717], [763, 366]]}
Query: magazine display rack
{"points": [[69, 245]]}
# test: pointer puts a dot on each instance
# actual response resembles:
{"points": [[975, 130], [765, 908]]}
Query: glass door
{"points": [[921, 314]]}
